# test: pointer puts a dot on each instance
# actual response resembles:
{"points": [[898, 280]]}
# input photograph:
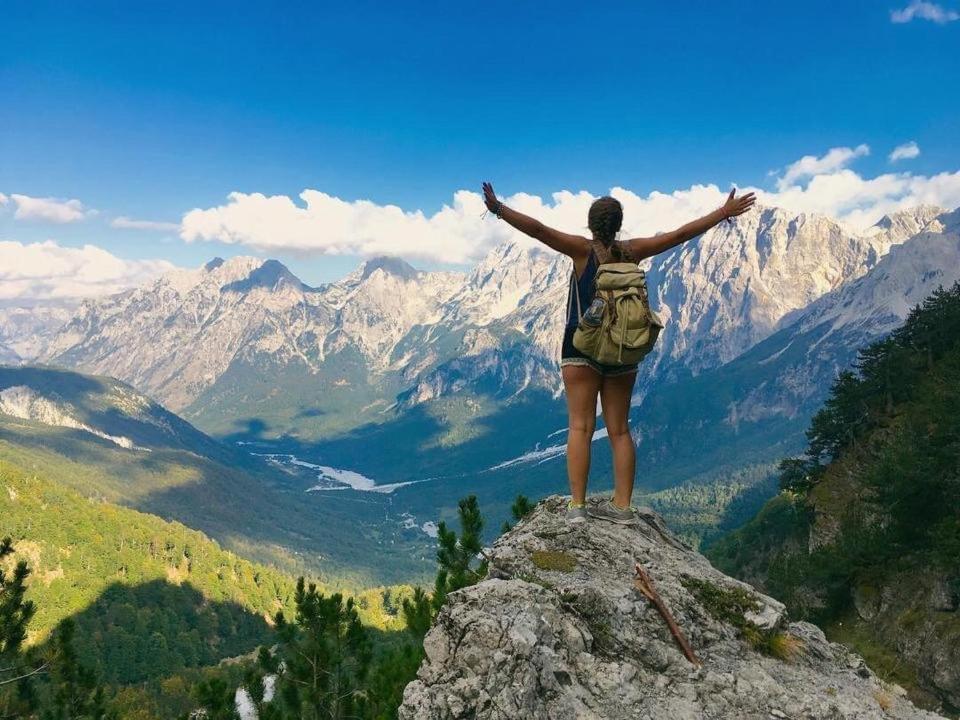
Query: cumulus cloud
{"points": [[324, 223], [125, 223], [3, 199], [860, 202], [318, 223], [49, 209], [457, 233], [810, 165], [907, 151], [924, 11], [47, 270]]}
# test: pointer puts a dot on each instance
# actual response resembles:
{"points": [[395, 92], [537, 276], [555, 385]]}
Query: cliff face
{"points": [[558, 631]]}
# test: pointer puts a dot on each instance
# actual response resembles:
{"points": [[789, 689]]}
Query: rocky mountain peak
{"points": [[558, 630], [271, 275], [215, 274], [390, 265], [902, 224]]}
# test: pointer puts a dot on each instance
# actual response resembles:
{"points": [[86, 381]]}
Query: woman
{"points": [[583, 378]]}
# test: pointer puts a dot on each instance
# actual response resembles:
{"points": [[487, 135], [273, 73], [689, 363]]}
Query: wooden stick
{"points": [[644, 584]]}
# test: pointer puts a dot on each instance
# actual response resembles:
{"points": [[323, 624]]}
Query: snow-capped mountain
{"points": [[720, 295], [756, 407], [880, 301], [26, 330], [224, 339], [732, 288]]}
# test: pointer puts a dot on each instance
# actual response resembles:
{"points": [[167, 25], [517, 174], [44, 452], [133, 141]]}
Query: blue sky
{"points": [[150, 112]]}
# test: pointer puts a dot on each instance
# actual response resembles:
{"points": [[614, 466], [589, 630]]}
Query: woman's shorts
{"points": [[569, 355]]}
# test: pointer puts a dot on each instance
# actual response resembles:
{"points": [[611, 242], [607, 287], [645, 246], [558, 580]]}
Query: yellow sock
{"points": [[576, 504]]}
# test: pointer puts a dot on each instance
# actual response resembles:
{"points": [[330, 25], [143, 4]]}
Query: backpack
{"points": [[618, 328]]}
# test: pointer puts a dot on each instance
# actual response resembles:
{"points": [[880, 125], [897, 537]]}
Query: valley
{"points": [[350, 416]]}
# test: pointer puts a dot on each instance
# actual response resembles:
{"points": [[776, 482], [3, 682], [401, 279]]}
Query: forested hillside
{"points": [[116, 613], [104, 439], [865, 535], [149, 597]]}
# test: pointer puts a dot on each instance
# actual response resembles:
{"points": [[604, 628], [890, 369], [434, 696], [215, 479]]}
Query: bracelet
{"points": [[499, 211]]}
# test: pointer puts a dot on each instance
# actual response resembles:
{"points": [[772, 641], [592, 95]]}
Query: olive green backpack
{"points": [[619, 328]]}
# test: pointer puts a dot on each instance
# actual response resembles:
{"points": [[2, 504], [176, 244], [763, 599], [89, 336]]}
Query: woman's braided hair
{"points": [[605, 218]]}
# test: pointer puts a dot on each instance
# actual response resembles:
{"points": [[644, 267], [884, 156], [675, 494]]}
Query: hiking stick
{"points": [[644, 584]]}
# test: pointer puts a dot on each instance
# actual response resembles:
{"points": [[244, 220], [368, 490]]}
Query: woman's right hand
{"points": [[738, 205]]}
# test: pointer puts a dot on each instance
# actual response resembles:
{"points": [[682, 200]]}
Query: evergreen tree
{"points": [[889, 432], [217, 699], [75, 693], [520, 509], [321, 661], [57, 686], [418, 613], [17, 695], [456, 556]]}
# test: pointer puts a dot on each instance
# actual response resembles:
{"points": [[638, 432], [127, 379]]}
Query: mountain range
{"points": [[393, 377], [389, 334]]}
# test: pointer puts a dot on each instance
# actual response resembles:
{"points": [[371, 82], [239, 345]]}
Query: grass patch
{"points": [[731, 605], [884, 699], [881, 658], [554, 561]]}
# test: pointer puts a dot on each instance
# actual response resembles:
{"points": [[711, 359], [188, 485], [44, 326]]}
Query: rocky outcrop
{"points": [[558, 631]]}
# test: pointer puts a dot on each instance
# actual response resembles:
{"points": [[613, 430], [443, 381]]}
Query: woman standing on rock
{"points": [[584, 379]]}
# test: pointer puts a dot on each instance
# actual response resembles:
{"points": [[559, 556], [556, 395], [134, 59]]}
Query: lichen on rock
{"points": [[574, 639]]}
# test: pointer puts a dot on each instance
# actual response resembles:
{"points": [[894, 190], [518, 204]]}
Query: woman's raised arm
{"points": [[650, 246], [576, 246]]}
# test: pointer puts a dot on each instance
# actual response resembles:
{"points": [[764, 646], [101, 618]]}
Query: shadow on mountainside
{"points": [[132, 633]]}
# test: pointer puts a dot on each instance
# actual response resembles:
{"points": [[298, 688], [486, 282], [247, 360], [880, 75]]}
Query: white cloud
{"points": [[860, 202], [3, 199], [49, 209], [46, 270], [458, 232], [125, 223], [329, 225], [925, 11], [907, 151], [810, 165]]}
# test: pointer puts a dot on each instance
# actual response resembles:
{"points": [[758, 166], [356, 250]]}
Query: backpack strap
{"points": [[615, 252], [604, 254], [574, 292]]}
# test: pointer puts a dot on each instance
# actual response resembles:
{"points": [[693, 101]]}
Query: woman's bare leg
{"points": [[582, 385], [615, 395]]}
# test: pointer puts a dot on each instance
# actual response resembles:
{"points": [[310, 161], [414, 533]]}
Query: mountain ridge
{"points": [[409, 335]]}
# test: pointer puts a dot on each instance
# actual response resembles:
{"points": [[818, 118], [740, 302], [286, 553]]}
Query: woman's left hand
{"points": [[490, 197]]}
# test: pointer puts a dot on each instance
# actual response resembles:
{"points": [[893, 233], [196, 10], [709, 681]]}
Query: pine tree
{"points": [[75, 691], [456, 556], [418, 613], [520, 509], [321, 661], [17, 694], [217, 699], [58, 686]]}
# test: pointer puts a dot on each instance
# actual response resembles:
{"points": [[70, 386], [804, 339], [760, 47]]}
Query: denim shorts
{"points": [[569, 355]]}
